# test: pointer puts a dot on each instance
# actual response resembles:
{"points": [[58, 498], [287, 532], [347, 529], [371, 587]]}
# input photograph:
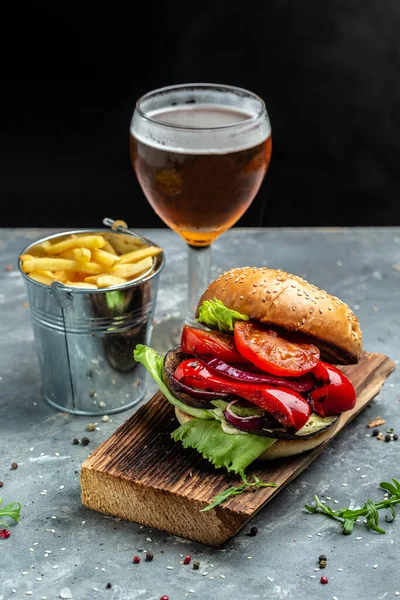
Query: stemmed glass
{"points": [[200, 153]]}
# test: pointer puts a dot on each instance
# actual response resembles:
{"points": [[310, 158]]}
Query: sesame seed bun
{"points": [[281, 448], [274, 297]]}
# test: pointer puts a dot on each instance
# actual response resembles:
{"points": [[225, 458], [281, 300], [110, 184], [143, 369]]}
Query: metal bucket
{"points": [[85, 338]]}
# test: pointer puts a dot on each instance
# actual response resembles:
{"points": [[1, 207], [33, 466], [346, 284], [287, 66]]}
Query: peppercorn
{"points": [[136, 559], [395, 437], [324, 579], [91, 427], [149, 556], [375, 432], [108, 586], [14, 466], [85, 441], [253, 531], [388, 437], [196, 565], [1, 484], [164, 598], [75, 441], [187, 560], [322, 561], [92, 393]]}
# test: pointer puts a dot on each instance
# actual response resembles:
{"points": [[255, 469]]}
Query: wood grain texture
{"points": [[140, 474]]}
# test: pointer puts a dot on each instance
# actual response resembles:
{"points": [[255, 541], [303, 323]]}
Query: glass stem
{"points": [[199, 269]]}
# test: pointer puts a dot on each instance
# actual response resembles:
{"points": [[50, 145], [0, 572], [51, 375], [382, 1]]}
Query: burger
{"points": [[259, 378]]}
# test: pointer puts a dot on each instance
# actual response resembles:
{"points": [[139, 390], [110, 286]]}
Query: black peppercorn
{"points": [[395, 437], [1, 484], [14, 466], [375, 432], [149, 556], [75, 441], [85, 441], [196, 565], [253, 531], [108, 586], [322, 561], [388, 437]]}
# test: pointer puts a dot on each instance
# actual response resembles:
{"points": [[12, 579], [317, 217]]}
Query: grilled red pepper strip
{"points": [[287, 406], [334, 393]]}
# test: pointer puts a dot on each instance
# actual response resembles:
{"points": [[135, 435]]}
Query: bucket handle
{"points": [[113, 225]]}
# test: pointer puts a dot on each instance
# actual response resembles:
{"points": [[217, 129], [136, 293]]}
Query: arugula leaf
{"points": [[12, 511], [216, 315], [348, 517], [236, 490], [154, 364], [233, 451]]}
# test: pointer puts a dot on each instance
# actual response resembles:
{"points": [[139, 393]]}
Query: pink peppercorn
{"points": [[136, 559], [187, 560], [4, 533], [324, 579], [164, 598]]}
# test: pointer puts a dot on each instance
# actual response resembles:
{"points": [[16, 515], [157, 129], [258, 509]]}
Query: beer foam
{"points": [[201, 120]]}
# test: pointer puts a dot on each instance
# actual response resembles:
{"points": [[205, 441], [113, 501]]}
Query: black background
{"points": [[327, 70]]}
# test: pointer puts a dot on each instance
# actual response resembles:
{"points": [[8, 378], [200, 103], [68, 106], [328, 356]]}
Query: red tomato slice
{"points": [[201, 341], [272, 352]]}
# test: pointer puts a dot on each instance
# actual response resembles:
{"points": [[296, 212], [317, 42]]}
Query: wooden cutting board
{"points": [[140, 474]]}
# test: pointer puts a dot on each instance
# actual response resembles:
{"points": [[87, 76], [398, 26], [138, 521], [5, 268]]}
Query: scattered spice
{"points": [[1, 484], [395, 437], [196, 565], [322, 561], [253, 531], [92, 393], [164, 598], [149, 556], [388, 437], [14, 466], [91, 427], [75, 441], [376, 422], [187, 560], [108, 586], [380, 436], [136, 559], [324, 579], [4, 533], [375, 432], [85, 441]]}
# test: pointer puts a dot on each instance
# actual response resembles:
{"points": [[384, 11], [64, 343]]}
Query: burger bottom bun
{"points": [[281, 448]]}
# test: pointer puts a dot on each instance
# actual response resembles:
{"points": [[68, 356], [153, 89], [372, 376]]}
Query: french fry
{"points": [[62, 264], [130, 270], [104, 281], [82, 284], [84, 241], [25, 257], [137, 255], [61, 276], [104, 258], [108, 247], [41, 277], [82, 254]]}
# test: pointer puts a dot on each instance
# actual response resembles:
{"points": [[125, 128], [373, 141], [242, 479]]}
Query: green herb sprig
{"points": [[370, 510], [236, 490], [12, 511]]}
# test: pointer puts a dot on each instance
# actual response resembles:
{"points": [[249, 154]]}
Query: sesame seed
{"points": [[340, 569], [375, 566], [170, 568], [222, 576], [359, 537]]}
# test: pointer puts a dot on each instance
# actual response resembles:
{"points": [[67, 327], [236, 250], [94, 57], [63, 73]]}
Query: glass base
{"points": [[167, 334]]}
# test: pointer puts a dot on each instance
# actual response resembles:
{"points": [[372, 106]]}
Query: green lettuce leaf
{"points": [[234, 452], [216, 315], [153, 362]]}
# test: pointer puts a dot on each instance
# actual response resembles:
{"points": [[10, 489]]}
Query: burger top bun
{"points": [[274, 297]]}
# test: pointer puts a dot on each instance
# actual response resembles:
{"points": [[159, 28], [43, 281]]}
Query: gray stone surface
{"points": [[60, 549]]}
